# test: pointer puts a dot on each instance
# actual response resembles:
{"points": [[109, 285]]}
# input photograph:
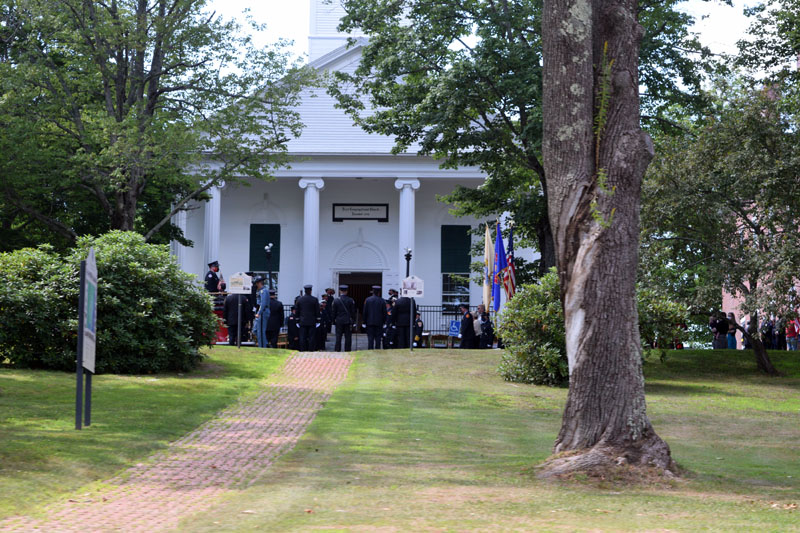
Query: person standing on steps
{"points": [[467, 333], [230, 313], [293, 329], [215, 283], [404, 309], [275, 319], [389, 327], [418, 327], [262, 315], [477, 323], [374, 318], [344, 315], [307, 312], [328, 299]]}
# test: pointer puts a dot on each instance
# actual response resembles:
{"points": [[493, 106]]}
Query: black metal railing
{"points": [[435, 318]]}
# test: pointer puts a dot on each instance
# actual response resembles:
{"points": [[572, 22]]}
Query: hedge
{"points": [[151, 316]]}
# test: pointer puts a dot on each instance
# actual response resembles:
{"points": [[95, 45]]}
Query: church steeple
{"points": [[323, 35]]}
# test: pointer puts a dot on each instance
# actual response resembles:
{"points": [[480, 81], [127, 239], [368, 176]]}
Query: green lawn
{"points": [[43, 457], [436, 441]]}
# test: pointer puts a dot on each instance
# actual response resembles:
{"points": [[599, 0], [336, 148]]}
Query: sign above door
{"points": [[378, 212]]}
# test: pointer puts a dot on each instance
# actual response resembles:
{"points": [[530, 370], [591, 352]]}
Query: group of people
{"points": [[779, 333], [387, 322], [476, 331], [775, 333]]}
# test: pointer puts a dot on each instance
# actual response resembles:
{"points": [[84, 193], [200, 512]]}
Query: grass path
{"points": [[436, 441], [231, 450]]}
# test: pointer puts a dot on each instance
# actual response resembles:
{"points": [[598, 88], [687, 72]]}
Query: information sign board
{"points": [[240, 283], [413, 287], [89, 312], [379, 212]]}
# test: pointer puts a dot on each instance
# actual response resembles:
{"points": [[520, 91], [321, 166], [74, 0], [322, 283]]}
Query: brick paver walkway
{"points": [[230, 451]]}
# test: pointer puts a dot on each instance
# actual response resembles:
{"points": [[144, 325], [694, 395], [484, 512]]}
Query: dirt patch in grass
{"points": [[614, 477]]}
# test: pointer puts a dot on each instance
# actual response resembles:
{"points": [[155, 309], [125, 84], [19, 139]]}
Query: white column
{"points": [[312, 187], [407, 188], [179, 219], [212, 225]]}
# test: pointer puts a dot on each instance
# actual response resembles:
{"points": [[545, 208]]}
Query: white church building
{"points": [[346, 210]]}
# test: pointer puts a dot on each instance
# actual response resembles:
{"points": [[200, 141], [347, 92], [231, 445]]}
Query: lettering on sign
{"points": [[240, 283], [379, 212]]}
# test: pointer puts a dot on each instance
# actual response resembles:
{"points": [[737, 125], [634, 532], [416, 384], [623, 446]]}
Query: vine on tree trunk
{"points": [[601, 117]]}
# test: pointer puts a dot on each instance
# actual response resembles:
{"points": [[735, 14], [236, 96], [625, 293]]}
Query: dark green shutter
{"points": [[456, 243], [260, 236]]}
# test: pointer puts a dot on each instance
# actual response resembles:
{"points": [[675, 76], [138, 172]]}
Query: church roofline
{"points": [[338, 53]]}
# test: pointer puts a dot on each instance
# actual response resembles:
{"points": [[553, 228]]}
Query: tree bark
{"points": [[763, 362], [595, 156]]}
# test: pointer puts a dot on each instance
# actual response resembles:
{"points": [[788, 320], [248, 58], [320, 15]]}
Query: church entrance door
{"points": [[360, 284]]}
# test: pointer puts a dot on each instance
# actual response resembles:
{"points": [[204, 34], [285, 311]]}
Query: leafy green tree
{"points": [[137, 107], [773, 42], [725, 197], [463, 81]]}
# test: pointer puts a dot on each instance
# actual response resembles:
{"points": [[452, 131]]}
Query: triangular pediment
{"points": [[328, 130]]}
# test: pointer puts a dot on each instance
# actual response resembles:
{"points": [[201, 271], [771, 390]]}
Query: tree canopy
{"points": [[116, 114], [462, 81], [725, 196]]}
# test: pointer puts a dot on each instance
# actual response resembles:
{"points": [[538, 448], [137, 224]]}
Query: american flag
{"points": [[510, 275]]}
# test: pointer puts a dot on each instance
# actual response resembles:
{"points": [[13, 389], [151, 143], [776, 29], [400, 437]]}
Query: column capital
{"points": [[317, 183], [401, 183]]}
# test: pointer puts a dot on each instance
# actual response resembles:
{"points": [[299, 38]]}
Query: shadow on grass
{"points": [[688, 365], [684, 389]]}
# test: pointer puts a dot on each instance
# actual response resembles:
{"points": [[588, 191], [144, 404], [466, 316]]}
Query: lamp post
{"points": [[268, 251], [411, 305]]}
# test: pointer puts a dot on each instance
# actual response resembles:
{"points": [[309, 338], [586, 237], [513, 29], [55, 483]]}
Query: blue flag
{"points": [[500, 264]]}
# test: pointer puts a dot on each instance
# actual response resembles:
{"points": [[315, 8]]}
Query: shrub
{"points": [[40, 320], [151, 316], [532, 328], [662, 322]]}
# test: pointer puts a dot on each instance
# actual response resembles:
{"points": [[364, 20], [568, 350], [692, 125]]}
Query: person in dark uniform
{"points": [[392, 296], [487, 331], [418, 327], [329, 308], [307, 313], [293, 329], [374, 318], [344, 314], [389, 328], [215, 283], [275, 319], [404, 309], [467, 333], [321, 329], [230, 313]]}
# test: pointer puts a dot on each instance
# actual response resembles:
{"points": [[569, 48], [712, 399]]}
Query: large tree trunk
{"points": [[594, 171]]}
